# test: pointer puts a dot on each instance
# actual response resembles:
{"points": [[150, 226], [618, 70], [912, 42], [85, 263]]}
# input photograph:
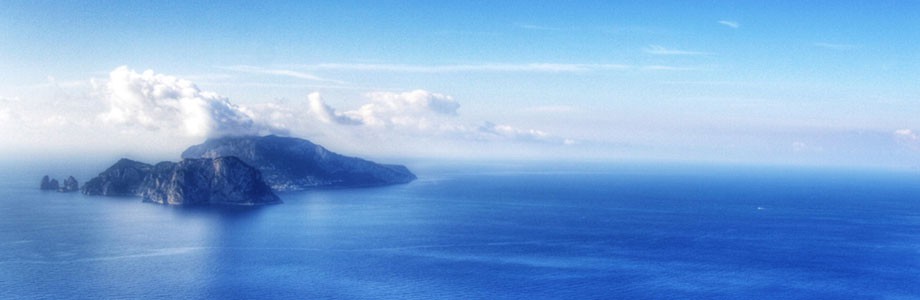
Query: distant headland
{"points": [[237, 171]]}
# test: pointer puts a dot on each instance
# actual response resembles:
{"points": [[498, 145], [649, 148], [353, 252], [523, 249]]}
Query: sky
{"points": [[775, 82]]}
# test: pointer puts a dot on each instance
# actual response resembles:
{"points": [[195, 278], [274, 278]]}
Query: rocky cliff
{"points": [[295, 164], [220, 181], [124, 178], [70, 185], [223, 181], [48, 184]]}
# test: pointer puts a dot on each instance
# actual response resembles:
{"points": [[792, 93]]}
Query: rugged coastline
{"points": [[236, 171]]}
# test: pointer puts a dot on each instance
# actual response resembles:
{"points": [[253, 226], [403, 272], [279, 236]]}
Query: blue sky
{"points": [[816, 82]]}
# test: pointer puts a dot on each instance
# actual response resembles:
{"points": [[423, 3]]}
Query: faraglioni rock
{"points": [[220, 181], [289, 164], [124, 178], [70, 185], [49, 184]]}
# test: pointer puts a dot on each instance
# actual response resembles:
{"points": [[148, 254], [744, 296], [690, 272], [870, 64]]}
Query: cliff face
{"points": [[124, 178], [220, 181], [223, 181], [295, 164]]}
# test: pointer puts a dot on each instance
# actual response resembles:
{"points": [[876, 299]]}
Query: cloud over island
{"points": [[161, 102], [157, 102]]}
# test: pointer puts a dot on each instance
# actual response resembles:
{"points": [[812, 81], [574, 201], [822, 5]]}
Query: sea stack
{"points": [[70, 185], [49, 184]]}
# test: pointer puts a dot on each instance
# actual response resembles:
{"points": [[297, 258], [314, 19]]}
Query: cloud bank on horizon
{"points": [[149, 107]]}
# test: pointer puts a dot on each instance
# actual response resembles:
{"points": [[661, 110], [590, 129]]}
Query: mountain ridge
{"points": [[291, 164]]}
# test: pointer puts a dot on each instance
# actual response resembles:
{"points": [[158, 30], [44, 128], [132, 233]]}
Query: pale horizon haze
{"points": [[818, 83]]}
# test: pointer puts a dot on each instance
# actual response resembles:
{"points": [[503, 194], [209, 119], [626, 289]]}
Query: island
{"points": [[240, 171]]}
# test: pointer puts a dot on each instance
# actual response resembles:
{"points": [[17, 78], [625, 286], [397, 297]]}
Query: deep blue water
{"points": [[479, 232]]}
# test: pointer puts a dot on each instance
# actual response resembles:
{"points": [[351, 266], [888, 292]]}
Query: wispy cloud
{"points": [[731, 24], [907, 138], [907, 134], [836, 46], [659, 50], [460, 68], [420, 113], [281, 72]]}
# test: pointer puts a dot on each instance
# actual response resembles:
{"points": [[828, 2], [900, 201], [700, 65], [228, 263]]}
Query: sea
{"points": [[482, 231]]}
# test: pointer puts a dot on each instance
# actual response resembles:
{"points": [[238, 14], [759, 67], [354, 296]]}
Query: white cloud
{"points": [[907, 138], [156, 114], [327, 114], [160, 113], [507, 131], [492, 131], [731, 24], [906, 133], [416, 108], [417, 100], [161, 102], [420, 113], [659, 50]]}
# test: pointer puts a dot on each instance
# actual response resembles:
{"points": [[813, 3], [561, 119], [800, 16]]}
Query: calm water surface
{"points": [[483, 233]]}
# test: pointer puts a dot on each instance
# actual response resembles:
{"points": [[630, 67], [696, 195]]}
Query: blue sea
{"points": [[482, 231]]}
